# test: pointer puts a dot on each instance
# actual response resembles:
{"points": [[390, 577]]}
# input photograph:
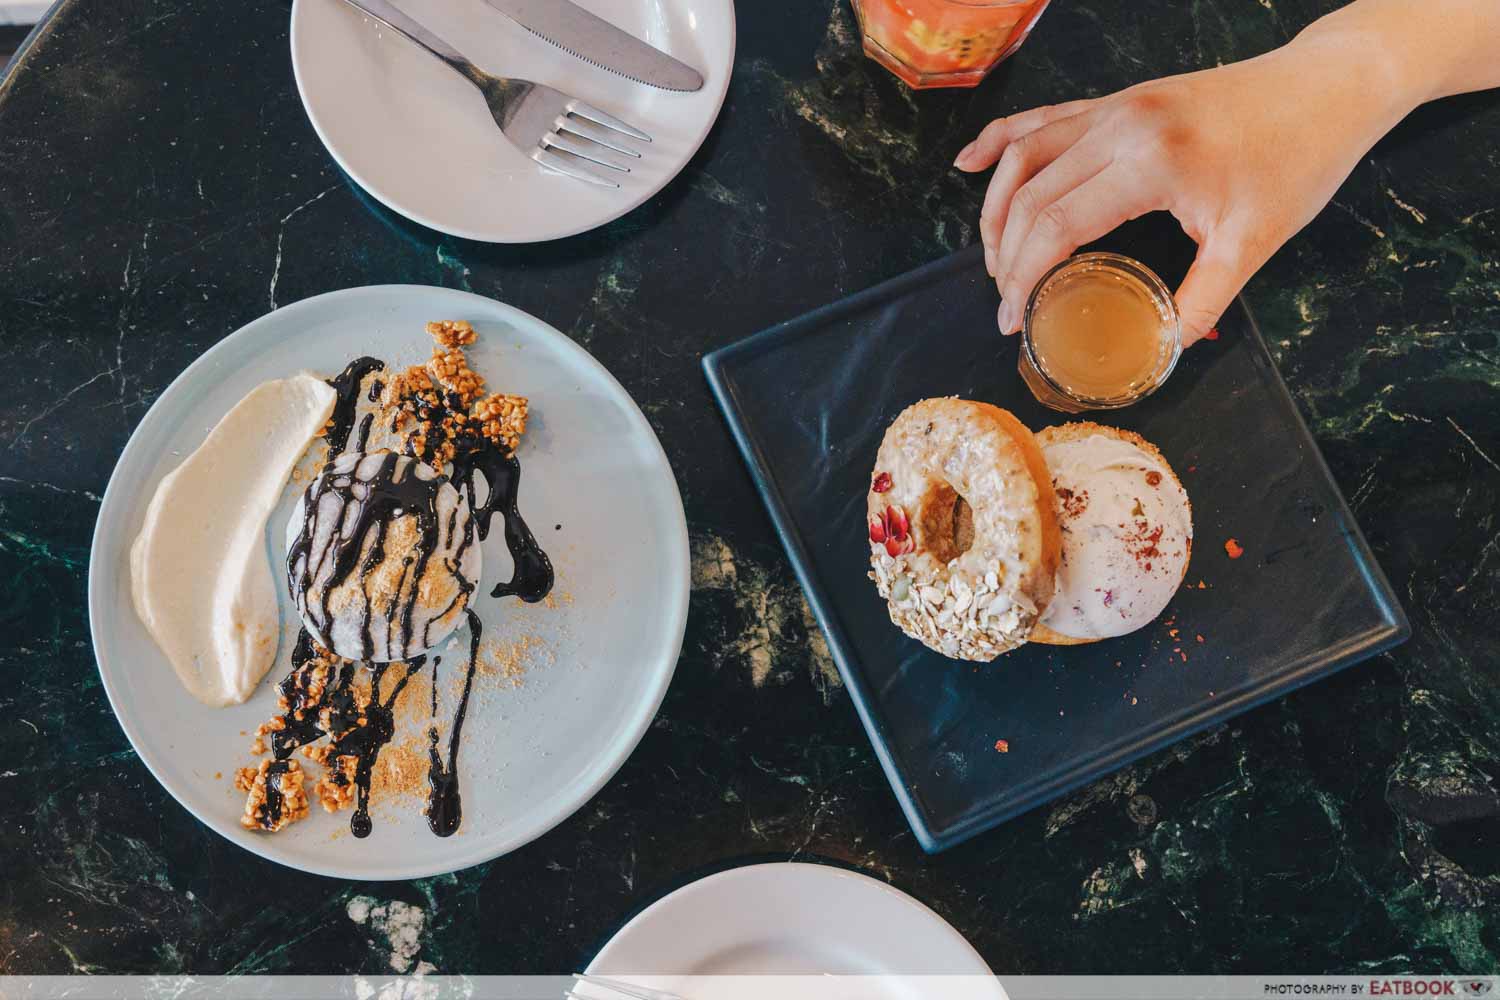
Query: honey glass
{"points": [[1157, 357]]}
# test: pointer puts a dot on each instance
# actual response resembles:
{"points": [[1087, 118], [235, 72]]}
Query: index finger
{"points": [[1085, 213], [984, 152]]}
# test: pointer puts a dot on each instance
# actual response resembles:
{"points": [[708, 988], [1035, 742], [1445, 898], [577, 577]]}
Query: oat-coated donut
{"points": [[964, 541]]}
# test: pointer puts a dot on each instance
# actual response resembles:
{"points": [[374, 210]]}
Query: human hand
{"points": [[1242, 155]]}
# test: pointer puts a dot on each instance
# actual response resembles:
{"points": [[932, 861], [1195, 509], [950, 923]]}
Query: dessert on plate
{"points": [[383, 561], [963, 531], [1127, 529], [984, 536], [381, 557]]}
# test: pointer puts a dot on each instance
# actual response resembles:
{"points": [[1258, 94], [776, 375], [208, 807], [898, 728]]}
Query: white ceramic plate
{"points": [[418, 137], [600, 659], [801, 923]]}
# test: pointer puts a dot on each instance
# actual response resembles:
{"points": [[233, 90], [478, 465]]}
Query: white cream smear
{"points": [[1127, 533], [199, 573]]}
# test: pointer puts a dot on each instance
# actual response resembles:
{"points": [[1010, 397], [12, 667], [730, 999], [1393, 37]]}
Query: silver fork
{"points": [[614, 988], [560, 132]]}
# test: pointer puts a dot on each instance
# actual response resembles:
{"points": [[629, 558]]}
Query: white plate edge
{"points": [[628, 205], [805, 869]]}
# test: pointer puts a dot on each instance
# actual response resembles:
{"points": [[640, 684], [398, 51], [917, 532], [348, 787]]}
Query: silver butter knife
{"points": [[595, 40]]}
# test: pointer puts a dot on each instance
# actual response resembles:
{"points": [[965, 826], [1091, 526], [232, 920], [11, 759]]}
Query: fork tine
{"points": [[596, 133], [581, 148], [592, 113], [561, 163]]}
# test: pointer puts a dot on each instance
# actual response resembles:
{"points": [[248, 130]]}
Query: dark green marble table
{"points": [[160, 186]]}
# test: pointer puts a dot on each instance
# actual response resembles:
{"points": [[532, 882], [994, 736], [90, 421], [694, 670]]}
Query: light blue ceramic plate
{"points": [[596, 662]]}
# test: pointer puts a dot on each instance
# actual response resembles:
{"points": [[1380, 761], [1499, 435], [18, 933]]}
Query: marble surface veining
{"points": [[160, 186]]}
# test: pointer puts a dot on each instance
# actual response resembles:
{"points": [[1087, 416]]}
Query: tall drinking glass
{"points": [[944, 43]]}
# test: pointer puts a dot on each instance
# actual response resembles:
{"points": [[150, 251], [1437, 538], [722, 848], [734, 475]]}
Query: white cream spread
{"points": [[1127, 532], [200, 574]]}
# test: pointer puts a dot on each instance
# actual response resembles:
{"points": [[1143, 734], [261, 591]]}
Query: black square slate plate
{"points": [[808, 402]]}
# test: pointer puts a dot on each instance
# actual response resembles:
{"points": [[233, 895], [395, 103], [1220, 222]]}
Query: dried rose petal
{"points": [[893, 547], [895, 519], [877, 530], [882, 483]]}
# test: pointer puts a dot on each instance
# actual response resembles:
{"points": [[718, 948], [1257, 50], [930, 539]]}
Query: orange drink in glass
{"points": [[944, 43]]}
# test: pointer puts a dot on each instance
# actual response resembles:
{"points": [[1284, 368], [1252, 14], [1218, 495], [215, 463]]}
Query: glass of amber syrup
{"points": [[1101, 331]]}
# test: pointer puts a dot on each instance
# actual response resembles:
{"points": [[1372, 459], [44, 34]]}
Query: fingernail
{"points": [[1007, 316], [963, 154]]}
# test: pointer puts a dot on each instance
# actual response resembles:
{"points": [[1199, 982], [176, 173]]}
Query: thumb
{"points": [[1216, 277]]}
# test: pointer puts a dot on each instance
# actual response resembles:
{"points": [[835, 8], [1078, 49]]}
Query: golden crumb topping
{"points": [[400, 771], [451, 369], [274, 796], [452, 332], [441, 408], [336, 789], [502, 419]]}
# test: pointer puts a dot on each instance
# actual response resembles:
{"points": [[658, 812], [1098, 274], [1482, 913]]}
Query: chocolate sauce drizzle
{"points": [[444, 802], [346, 388], [337, 710], [365, 423], [473, 452], [376, 499], [359, 730], [274, 795], [533, 577]]}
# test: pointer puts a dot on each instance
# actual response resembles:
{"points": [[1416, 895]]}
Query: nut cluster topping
{"points": [[451, 369], [336, 789], [302, 692], [452, 332], [274, 796], [502, 419], [441, 407], [304, 687]]}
